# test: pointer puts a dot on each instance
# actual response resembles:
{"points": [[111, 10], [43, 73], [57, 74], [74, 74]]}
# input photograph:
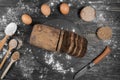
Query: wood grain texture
{"points": [[108, 13]]}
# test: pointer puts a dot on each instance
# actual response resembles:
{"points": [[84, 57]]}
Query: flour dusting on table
{"points": [[28, 65], [56, 64], [14, 14]]}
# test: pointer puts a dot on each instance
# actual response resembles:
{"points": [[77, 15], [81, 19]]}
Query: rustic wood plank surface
{"points": [[39, 64]]}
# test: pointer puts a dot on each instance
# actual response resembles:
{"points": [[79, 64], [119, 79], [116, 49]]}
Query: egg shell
{"points": [[45, 10], [64, 8], [26, 19]]}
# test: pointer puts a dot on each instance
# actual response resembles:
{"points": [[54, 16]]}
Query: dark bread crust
{"points": [[73, 44], [53, 39]]}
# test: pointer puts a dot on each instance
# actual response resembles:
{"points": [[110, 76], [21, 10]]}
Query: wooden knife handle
{"points": [[103, 54], [3, 41]]}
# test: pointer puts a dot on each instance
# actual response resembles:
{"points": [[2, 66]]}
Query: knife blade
{"points": [[82, 71]]}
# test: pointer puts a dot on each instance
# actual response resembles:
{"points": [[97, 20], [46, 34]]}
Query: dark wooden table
{"points": [[39, 64]]}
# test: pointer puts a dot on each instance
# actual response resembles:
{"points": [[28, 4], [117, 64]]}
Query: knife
{"points": [[82, 71]]}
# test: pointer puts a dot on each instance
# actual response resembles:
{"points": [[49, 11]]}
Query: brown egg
{"points": [[64, 8], [26, 19], [88, 14], [45, 9]]}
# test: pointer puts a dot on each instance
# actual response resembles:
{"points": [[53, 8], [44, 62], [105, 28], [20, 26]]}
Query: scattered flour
{"points": [[55, 64], [4, 51], [13, 14], [27, 64]]}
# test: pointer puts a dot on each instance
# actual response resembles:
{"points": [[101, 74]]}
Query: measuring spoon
{"points": [[12, 44], [15, 56], [9, 31]]}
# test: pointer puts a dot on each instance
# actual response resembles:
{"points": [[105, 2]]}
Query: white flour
{"points": [[3, 53], [56, 65], [10, 29], [13, 14], [27, 64], [49, 59]]}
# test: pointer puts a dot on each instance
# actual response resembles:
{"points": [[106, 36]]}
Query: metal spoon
{"points": [[12, 44], [15, 56], [9, 31]]}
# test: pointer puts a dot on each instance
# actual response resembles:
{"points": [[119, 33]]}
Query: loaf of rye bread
{"points": [[54, 39]]}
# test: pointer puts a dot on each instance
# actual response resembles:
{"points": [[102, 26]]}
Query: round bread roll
{"points": [[88, 14], [104, 33]]}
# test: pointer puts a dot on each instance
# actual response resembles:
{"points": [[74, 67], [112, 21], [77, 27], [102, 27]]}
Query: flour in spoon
{"points": [[11, 29]]}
